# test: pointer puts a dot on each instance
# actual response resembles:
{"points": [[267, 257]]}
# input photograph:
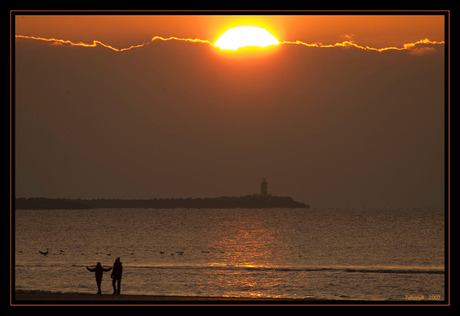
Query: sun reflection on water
{"points": [[249, 248]]}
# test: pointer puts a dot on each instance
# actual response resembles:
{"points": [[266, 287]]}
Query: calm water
{"points": [[349, 254]]}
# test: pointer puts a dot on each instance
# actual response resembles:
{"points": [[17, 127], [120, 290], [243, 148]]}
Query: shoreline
{"points": [[31, 297], [39, 298]]}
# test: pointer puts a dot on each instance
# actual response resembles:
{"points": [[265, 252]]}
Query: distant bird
{"points": [[180, 253], [109, 254], [44, 253], [162, 252]]}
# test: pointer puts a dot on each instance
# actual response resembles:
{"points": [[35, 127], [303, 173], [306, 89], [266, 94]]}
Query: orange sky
{"points": [[373, 30]]}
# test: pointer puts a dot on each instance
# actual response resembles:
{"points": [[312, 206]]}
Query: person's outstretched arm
{"points": [[91, 270], [108, 269]]}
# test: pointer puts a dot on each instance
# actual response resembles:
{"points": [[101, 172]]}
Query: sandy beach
{"points": [[78, 298]]}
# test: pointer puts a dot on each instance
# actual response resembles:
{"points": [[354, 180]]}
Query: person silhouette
{"points": [[99, 270], [117, 271]]}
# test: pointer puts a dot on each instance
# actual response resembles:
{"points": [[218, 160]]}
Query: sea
{"points": [[352, 254]]}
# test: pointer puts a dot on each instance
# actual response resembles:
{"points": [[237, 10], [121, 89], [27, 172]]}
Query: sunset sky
{"points": [[329, 126]]}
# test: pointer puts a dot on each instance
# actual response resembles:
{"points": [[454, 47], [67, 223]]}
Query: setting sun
{"points": [[245, 36]]}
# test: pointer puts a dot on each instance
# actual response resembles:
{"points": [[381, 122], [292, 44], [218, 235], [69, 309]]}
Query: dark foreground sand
{"points": [[79, 298]]}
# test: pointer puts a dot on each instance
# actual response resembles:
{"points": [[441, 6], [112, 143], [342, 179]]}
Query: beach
{"points": [[39, 297]]}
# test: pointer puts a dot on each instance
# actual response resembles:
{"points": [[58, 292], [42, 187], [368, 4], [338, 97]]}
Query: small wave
{"points": [[346, 269], [261, 268], [417, 270], [356, 269], [44, 292]]}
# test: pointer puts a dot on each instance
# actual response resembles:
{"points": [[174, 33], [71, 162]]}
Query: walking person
{"points": [[117, 271], [99, 270]]}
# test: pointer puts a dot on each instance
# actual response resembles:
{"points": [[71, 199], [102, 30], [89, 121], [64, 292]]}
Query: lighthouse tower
{"points": [[264, 187]]}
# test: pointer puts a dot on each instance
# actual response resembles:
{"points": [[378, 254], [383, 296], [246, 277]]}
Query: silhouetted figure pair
{"points": [[99, 270], [117, 271]]}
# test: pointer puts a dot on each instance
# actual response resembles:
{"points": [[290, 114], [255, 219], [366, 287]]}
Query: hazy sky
{"points": [[337, 126]]}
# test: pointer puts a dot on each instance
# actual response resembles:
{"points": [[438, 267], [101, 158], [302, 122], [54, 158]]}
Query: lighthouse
{"points": [[264, 187]]}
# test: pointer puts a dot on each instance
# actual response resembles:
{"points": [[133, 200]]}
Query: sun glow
{"points": [[245, 36]]}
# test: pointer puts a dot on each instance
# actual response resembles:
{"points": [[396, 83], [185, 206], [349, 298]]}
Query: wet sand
{"points": [[79, 298]]}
